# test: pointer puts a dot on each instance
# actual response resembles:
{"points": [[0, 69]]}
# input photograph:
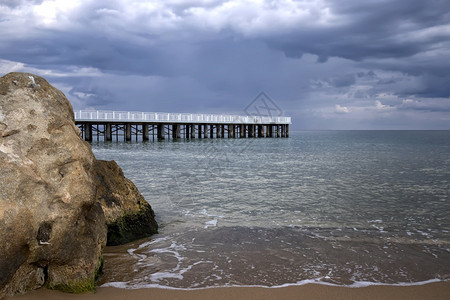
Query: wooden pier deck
{"points": [[143, 126]]}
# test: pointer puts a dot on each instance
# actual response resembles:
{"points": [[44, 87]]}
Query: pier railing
{"points": [[123, 116]]}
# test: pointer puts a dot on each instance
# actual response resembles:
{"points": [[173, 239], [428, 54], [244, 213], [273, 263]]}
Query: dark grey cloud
{"points": [[434, 105], [94, 96], [371, 29], [434, 87], [343, 80], [329, 64]]}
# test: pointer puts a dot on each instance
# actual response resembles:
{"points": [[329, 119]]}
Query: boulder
{"points": [[52, 224], [52, 229], [128, 215]]}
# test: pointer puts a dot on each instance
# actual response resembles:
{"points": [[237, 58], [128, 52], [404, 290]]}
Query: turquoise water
{"points": [[341, 207]]}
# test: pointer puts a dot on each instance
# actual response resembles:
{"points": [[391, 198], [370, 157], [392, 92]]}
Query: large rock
{"points": [[128, 215], [52, 229], [52, 225]]}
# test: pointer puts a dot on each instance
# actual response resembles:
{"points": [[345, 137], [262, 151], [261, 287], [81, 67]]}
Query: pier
{"points": [[115, 125]]}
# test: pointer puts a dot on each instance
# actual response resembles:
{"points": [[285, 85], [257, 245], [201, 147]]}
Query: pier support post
{"points": [[160, 131], [269, 131], [242, 131], [178, 131], [219, 131], [205, 130], [199, 131], [128, 132], [222, 130], [251, 131], [260, 131], [88, 132], [287, 130], [145, 132], [278, 131], [192, 128], [231, 131], [108, 132], [83, 129], [211, 131]]}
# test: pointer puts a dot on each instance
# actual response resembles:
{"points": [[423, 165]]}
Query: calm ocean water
{"points": [[339, 207]]}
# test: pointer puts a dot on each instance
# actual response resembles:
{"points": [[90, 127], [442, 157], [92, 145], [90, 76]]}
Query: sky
{"points": [[328, 64]]}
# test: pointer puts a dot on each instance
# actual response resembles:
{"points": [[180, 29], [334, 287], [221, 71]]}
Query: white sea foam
{"points": [[423, 233], [173, 249], [175, 273], [205, 213], [358, 284], [212, 223], [379, 221], [140, 257]]}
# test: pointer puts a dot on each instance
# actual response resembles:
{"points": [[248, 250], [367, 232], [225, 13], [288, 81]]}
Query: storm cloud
{"points": [[328, 64]]}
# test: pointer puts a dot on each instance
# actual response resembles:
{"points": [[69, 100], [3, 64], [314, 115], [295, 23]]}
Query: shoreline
{"points": [[434, 290], [358, 284]]}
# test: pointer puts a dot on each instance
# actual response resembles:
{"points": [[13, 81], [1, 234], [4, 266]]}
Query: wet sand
{"points": [[439, 290]]}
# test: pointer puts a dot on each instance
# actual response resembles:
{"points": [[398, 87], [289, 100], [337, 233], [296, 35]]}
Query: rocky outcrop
{"points": [[52, 224], [128, 215], [51, 227]]}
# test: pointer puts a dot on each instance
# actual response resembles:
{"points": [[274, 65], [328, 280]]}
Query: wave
{"points": [[359, 284]]}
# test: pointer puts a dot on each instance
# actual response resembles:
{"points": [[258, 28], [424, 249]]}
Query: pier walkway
{"points": [[106, 125]]}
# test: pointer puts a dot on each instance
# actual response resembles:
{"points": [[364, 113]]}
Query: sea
{"points": [[349, 208]]}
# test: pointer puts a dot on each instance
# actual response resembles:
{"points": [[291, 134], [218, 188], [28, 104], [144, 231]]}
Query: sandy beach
{"points": [[439, 290]]}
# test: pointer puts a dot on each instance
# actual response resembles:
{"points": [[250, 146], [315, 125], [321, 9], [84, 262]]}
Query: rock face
{"points": [[128, 215], [52, 225]]}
